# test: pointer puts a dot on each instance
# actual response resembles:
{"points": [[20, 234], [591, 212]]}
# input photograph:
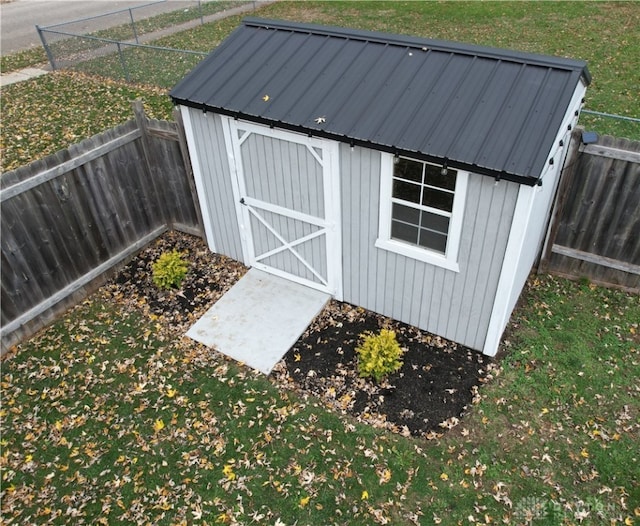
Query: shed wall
{"points": [[214, 182], [455, 305]]}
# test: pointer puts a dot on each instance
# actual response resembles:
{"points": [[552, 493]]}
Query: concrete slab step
{"points": [[259, 319]]}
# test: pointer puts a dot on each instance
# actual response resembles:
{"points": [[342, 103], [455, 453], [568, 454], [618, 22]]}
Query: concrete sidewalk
{"points": [[22, 74], [32, 72]]}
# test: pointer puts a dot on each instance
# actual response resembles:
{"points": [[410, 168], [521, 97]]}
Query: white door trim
{"points": [[247, 207]]}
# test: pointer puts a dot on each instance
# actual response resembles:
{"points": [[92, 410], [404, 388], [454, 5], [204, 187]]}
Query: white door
{"points": [[287, 200]]}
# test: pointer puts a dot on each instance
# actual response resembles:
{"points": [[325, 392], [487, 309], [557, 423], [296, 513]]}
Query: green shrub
{"points": [[169, 270], [379, 354]]}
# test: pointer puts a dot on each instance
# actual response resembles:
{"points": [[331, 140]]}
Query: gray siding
{"points": [[212, 154], [455, 305]]}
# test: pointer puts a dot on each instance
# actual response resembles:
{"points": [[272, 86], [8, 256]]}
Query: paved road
{"points": [[18, 18]]}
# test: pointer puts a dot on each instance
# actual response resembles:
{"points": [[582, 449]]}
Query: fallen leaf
{"points": [[228, 472], [384, 475]]}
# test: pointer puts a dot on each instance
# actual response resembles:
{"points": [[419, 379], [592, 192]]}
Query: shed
{"points": [[409, 176]]}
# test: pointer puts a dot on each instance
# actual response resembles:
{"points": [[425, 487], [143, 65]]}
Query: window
{"points": [[421, 207]]}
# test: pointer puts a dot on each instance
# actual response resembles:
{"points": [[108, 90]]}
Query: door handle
{"points": [[242, 201]]}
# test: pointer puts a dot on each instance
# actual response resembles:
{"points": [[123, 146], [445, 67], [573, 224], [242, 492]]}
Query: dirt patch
{"points": [[438, 380]]}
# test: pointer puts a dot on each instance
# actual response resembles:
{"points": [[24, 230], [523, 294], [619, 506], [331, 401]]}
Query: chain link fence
{"points": [[119, 52]]}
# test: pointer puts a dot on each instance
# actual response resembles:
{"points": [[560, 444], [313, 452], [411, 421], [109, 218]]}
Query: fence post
{"points": [[123, 62], [159, 187], [133, 26], [46, 47], [200, 9]]}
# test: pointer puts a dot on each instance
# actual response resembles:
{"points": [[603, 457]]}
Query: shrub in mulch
{"points": [[437, 382], [208, 277]]}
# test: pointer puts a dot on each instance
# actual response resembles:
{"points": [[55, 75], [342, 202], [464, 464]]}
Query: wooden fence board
{"points": [[596, 227], [69, 165], [81, 281], [69, 218]]}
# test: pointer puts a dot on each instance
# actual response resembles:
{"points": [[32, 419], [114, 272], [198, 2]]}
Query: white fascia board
{"points": [[198, 177], [517, 238], [569, 122], [519, 234]]}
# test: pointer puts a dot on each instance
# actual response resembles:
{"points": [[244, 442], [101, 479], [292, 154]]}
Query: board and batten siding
{"points": [[455, 305], [209, 157]]}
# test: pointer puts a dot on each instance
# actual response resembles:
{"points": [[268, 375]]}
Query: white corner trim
{"points": [[198, 177], [333, 209], [502, 305], [517, 238]]}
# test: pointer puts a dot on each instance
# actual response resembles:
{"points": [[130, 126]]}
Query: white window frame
{"points": [[448, 260]]}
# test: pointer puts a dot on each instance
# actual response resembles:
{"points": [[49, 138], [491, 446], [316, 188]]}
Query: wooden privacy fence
{"points": [[595, 229], [68, 219]]}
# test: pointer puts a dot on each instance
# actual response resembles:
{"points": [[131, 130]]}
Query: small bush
{"points": [[379, 354], [169, 270]]}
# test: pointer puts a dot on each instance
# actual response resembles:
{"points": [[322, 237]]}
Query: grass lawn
{"points": [[606, 34], [77, 106], [108, 416]]}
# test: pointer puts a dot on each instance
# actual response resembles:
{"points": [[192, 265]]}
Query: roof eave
{"points": [[498, 175]]}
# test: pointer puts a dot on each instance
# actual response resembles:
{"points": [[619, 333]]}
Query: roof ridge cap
{"points": [[425, 44]]}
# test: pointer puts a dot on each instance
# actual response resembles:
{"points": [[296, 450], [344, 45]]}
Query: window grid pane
{"points": [[434, 222], [404, 232], [406, 191], [438, 199], [409, 170], [433, 240], [434, 178]]}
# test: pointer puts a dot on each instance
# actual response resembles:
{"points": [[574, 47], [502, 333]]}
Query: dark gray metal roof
{"points": [[486, 110]]}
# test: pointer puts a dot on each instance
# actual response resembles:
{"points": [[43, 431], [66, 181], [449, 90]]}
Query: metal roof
{"points": [[486, 110]]}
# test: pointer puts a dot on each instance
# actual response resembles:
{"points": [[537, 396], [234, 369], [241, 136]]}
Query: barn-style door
{"points": [[287, 196]]}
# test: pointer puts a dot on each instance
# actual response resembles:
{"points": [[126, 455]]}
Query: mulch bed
{"points": [[208, 278], [438, 380]]}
